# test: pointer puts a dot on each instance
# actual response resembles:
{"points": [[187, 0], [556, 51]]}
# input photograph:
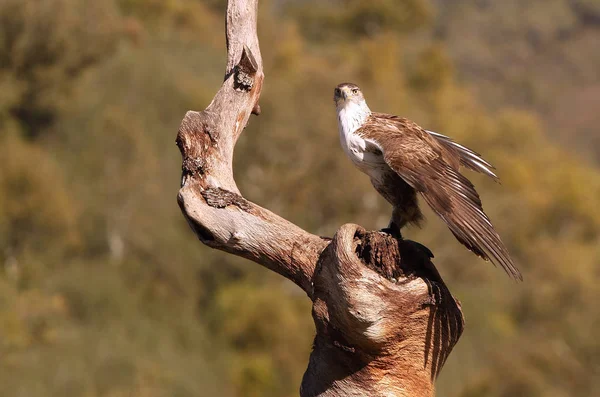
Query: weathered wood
{"points": [[385, 320]]}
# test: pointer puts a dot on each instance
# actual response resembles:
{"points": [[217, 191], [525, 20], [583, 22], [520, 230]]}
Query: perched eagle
{"points": [[402, 159]]}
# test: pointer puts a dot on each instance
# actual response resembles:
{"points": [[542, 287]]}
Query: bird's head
{"points": [[350, 104], [346, 94]]}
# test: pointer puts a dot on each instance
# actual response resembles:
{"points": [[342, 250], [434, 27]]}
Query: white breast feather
{"points": [[366, 154]]}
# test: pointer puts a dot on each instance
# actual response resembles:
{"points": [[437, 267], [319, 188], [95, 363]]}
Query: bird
{"points": [[404, 161]]}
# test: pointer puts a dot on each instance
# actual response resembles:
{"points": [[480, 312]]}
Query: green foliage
{"points": [[44, 47], [104, 291], [534, 54], [433, 70], [36, 212], [352, 19]]}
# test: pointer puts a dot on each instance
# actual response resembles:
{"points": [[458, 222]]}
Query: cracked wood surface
{"points": [[385, 321]]}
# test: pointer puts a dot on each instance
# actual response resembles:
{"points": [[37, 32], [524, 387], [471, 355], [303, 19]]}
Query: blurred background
{"points": [[104, 290]]}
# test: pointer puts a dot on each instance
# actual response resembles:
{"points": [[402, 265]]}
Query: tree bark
{"points": [[385, 321]]}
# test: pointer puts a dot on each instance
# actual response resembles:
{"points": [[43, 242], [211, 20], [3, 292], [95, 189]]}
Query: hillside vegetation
{"points": [[104, 291]]}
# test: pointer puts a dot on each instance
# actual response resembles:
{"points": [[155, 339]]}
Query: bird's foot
{"points": [[393, 231]]}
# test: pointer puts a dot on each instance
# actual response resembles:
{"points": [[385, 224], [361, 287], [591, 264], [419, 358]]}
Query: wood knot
{"points": [[245, 71], [193, 166], [243, 81], [221, 198]]}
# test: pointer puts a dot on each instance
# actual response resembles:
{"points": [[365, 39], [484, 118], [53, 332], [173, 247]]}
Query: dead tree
{"points": [[385, 321]]}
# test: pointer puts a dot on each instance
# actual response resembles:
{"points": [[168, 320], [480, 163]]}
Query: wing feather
{"points": [[468, 158], [454, 198], [412, 153]]}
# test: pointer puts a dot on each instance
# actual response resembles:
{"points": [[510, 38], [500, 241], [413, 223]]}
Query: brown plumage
{"points": [[402, 159]]}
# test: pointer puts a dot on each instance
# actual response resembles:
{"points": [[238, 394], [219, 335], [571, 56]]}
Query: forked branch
{"points": [[385, 320]]}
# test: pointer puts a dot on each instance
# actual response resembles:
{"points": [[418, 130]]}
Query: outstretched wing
{"points": [[433, 172], [468, 158]]}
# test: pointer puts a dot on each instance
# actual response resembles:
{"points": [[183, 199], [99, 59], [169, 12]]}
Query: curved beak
{"points": [[340, 94]]}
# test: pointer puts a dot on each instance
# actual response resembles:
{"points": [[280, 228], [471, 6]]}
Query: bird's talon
{"points": [[392, 231]]}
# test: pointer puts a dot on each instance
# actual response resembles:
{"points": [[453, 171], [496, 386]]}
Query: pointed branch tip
{"points": [[245, 71], [247, 62]]}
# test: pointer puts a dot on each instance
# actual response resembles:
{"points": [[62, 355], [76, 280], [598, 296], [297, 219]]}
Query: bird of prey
{"points": [[403, 160]]}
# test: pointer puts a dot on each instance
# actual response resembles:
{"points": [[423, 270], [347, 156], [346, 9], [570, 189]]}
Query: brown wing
{"points": [[468, 158], [433, 172]]}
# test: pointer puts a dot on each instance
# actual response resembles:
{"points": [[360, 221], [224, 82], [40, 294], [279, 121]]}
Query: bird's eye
{"points": [[355, 91]]}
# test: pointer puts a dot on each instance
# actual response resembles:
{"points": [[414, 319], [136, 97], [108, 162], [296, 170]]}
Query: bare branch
{"points": [[209, 197], [225, 220]]}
